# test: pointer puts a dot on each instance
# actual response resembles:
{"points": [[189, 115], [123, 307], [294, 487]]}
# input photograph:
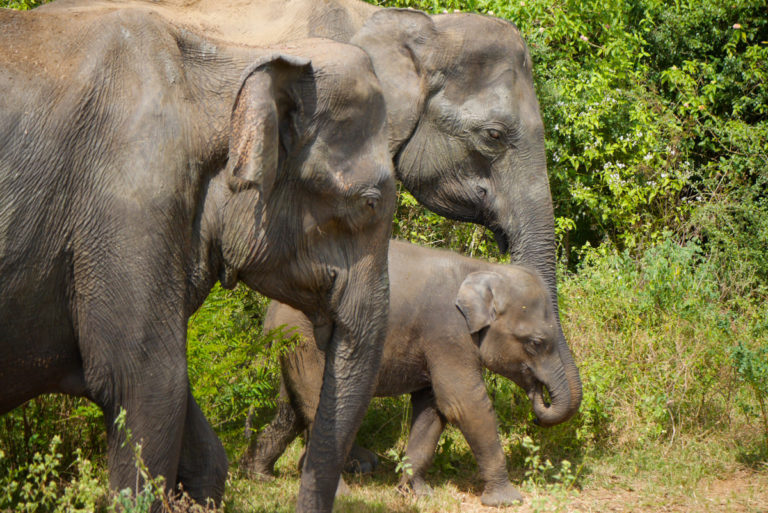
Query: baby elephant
{"points": [[450, 316]]}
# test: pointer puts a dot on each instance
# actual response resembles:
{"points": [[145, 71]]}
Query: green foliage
{"points": [[22, 5], [655, 360], [752, 367], [402, 465], [29, 429], [540, 471], [233, 367], [47, 484]]}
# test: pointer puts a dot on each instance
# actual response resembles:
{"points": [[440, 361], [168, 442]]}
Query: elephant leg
{"points": [[265, 449], [154, 400], [361, 461], [203, 461], [341, 489], [131, 334], [427, 425], [465, 403], [349, 380]]}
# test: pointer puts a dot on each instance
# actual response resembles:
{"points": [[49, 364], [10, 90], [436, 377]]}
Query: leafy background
{"points": [[657, 139]]}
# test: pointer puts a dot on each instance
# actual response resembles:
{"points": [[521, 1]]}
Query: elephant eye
{"points": [[494, 134], [535, 342]]}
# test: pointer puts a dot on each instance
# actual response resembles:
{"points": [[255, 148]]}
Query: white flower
{"points": [[647, 157]]}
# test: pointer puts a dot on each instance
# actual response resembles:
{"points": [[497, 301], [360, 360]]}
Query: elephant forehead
{"points": [[500, 100], [498, 82], [347, 96]]}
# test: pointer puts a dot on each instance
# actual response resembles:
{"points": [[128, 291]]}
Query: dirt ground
{"points": [[741, 492]]}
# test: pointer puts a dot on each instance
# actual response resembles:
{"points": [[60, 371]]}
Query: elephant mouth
{"points": [[502, 240], [508, 242], [539, 403]]}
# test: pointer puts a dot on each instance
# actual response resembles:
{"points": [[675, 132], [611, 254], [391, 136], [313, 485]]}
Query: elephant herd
{"points": [[149, 149]]}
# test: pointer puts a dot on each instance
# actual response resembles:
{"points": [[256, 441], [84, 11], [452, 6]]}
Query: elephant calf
{"points": [[450, 316]]}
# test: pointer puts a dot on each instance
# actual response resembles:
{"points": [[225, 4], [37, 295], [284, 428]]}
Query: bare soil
{"points": [[741, 492]]}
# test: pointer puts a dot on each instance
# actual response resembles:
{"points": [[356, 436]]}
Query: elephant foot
{"points": [[417, 485], [260, 475], [503, 495], [253, 469], [361, 461], [343, 488]]}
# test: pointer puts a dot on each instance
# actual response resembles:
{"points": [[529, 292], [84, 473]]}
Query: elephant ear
{"points": [[476, 300], [254, 137], [396, 40]]}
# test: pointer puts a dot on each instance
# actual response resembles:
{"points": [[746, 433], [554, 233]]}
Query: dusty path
{"points": [[741, 492]]}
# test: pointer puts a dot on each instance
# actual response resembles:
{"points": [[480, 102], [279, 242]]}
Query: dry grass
{"points": [[689, 476]]}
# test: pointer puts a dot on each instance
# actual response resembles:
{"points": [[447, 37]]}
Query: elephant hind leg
{"points": [[361, 461], [427, 425], [266, 448]]}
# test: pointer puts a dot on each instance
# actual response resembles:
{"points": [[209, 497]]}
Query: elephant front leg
{"points": [[466, 404], [203, 462], [154, 400], [427, 425], [348, 383], [132, 339]]}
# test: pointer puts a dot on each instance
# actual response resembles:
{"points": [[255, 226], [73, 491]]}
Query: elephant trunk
{"points": [[351, 366], [529, 236], [559, 409]]}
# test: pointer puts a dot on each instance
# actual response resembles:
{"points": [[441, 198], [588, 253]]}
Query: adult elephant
{"points": [[466, 134], [140, 163]]}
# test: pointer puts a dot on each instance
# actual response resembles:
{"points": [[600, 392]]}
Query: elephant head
{"points": [[466, 133], [512, 318], [306, 221]]}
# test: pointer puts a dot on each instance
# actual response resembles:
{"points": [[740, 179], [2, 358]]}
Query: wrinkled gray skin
{"points": [[140, 163], [466, 134], [450, 317]]}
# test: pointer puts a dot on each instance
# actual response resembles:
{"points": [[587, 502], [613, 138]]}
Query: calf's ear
{"points": [[476, 300], [254, 137]]}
